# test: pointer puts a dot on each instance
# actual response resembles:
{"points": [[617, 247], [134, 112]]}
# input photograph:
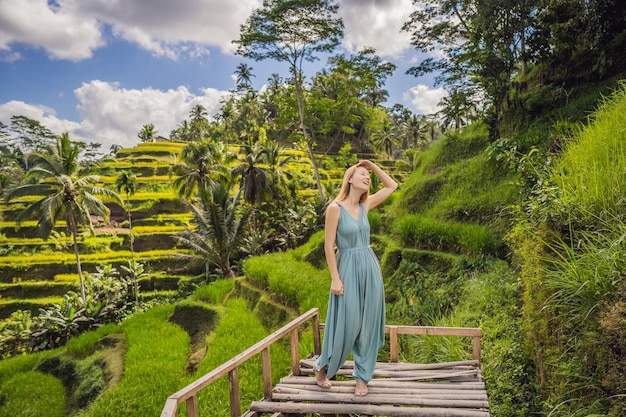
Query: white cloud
{"points": [[423, 99], [73, 29], [377, 24], [62, 33], [113, 115], [44, 115], [171, 28]]}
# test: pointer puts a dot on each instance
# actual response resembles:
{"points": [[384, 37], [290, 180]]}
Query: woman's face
{"points": [[360, 179]]}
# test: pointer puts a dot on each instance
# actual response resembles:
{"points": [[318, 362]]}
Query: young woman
{"points": [[355, 321]]}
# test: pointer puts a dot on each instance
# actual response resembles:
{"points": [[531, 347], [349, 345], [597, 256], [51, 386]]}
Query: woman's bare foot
{"points": [[361, 389], [321, 379]]}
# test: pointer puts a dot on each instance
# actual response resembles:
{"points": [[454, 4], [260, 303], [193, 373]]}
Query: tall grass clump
{"points": [[591, 174], [431, 234], [214, 292], [569, 239], [491, 299], [298, 283]]}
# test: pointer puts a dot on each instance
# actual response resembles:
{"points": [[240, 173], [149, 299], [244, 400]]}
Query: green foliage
{"points": [[569, 236], [297, 283], [427, 233], [26, 394]]}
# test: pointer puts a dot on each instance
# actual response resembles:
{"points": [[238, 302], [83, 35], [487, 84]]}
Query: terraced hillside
{"points": [[36, 272]]}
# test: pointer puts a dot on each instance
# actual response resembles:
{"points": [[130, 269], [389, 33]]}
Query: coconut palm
{"points": [[219, 232], [65, 194], [127, 182], [385, 139], [147, 133], [244, 75], [204, 163], [254, 179]]}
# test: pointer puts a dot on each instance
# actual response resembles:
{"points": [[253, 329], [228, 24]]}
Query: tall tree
{"points": [[127, 182], [30, 134], [480, 41], [64, 193], [254, 179], [293, 31]]}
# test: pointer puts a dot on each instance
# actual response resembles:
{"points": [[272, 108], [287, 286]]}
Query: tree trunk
{"points": [[72, 226], [300, 100]]}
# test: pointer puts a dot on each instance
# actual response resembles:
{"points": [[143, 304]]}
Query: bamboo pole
{"points": [[235, 399], [295, 352], [266, 366], [298, 408]]}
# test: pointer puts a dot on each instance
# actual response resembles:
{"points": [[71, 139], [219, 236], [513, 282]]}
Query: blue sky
{"points": [[100, 69]]}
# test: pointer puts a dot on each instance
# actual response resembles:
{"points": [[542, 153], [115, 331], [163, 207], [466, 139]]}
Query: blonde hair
{"points": [[345, 186]]}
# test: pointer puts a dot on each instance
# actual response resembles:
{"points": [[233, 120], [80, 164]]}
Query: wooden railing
{"points": [[189, 394]]}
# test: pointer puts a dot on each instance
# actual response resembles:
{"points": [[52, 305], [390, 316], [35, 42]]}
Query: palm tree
{"points": [[244, 75], [277, 161], [220, 230], [385, 139], [147, 133], [64, 193], [254, 179], [414, 129], [204, 163], [199, 122], [127, 182]]}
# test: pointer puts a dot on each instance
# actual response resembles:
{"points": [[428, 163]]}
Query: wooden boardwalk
{"points": [[453, 389], [397, 389]]}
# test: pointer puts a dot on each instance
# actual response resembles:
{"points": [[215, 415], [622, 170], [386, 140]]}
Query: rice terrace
{"points": [[187, 273]]}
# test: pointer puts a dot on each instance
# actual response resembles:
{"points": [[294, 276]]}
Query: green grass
{"points": [[27, 394], [152, 371], [297, 283], [237, 330]]}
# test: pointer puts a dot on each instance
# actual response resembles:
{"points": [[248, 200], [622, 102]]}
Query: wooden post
{"points": [[235, 399], [476, 348], [317, 346], [295, 352], [393, 343], [266, 362], [192, 406]]}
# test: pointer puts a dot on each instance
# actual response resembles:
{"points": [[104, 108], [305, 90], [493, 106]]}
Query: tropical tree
{"points": [[244, 75], [204, 164], [254, 179], [127, 182], [293, 32], [386, 139], [147, 133], [219, 231], [199, 123], [64, 193]]}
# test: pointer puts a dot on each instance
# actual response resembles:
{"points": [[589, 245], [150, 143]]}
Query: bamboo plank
{"points": [[477, 385], [400, 366], [434, 394], [379, 399], [299, 408]]}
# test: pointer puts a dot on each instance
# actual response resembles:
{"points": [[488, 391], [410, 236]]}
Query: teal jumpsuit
{"points": [[355, 321]]}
